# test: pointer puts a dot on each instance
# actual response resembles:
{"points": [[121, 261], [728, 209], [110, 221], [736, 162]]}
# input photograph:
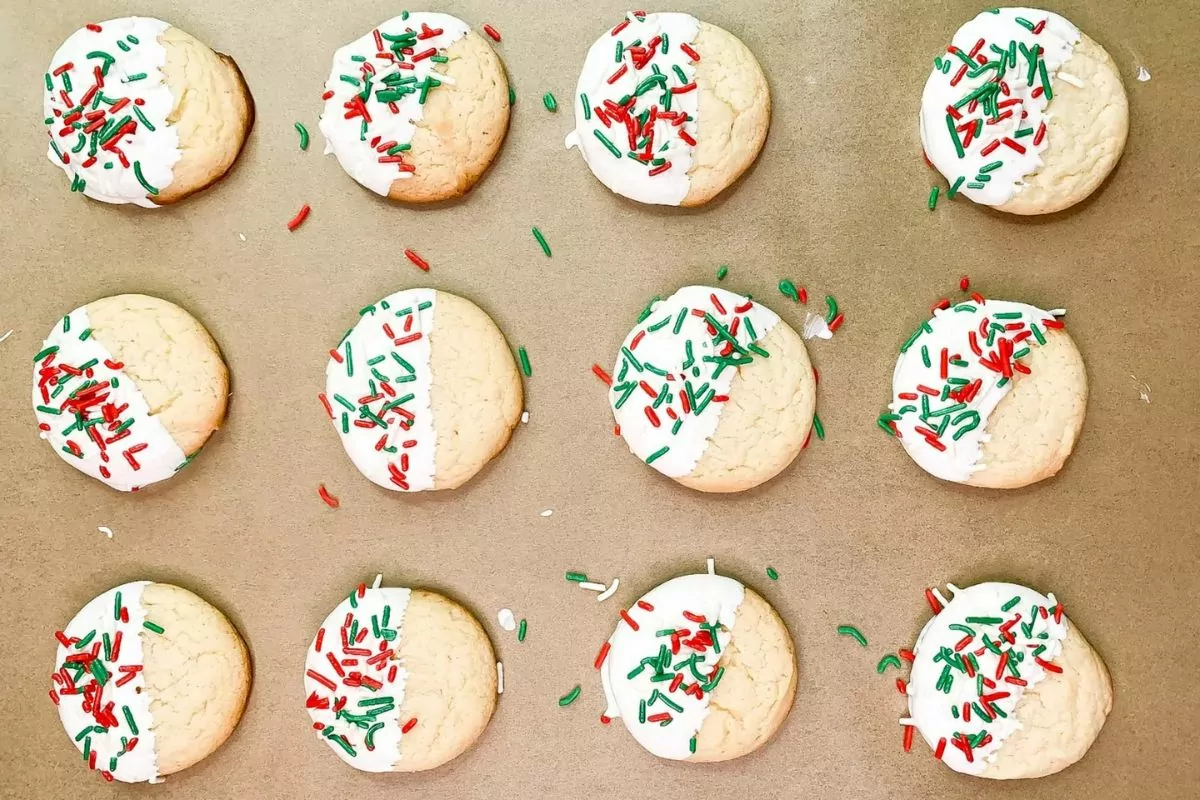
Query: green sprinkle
{"points": [[522, 629], [133, 728], [141, 76], [541, 240], [525, 366], [722, 271], [657, 455], [612, 148], [549, 102], [772, 574], [853, 632], [49, 351], [303, 131], [818, 427], [49, 84], [953, 190], [933, 197], [1024, 23], [692, 745], [889, 660], [985, 620], [1037, 334], [572, 696], [587, 107], [100, 671], [137, 172], [1045, 81], [788, 289], [1011, 604], [954, 136], [152, 626], [976, 185], [512, 96], [832, 309]]}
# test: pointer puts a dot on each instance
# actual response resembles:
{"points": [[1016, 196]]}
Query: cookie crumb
{"points": [[1143, 389], [242, 236], [547, 512], [1143, 74], [506, 619]]}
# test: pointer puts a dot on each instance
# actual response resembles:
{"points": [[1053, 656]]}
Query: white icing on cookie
{"points": [[106, 104], [622, 62], [1024, 631], [635, 656], [674, 371], [352, 681], [981, 362], [375, 96], [998, 108], [116, 734], [94, 415], [378, 386]]}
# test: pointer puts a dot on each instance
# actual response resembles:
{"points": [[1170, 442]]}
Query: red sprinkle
{"points": [[933, 601], [907, 655], [837, 323], [692, 54], [416, 259], [603, 654], [599, 372], [1047, 665], [908, 737], [408, 726], [329, 499], [629, 620], [93, 27], [964, 283], [941, 748], [901, 686], [298, 220], [492, 32]]}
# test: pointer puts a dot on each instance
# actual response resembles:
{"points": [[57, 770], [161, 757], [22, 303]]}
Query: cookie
{"points": [[713, 390], [1023, 112], [399, 680], [424, 391], [989, 393], [699, 669], [140, 112], [417, 108], [1002, 686], [149, 679], [128, 388], [670, 110]]}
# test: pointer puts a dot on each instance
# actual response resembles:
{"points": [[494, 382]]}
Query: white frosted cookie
{"points": [[670, 110], [989, 393], [699, 669], [423, 390], [140, 112], [399, 680], [417, 108], [1002, 686], [713, 390], [128, 388], [149, 679], [1024, 112]]}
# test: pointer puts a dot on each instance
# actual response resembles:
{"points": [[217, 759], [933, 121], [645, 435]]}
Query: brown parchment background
{"points": [[836, 202]]}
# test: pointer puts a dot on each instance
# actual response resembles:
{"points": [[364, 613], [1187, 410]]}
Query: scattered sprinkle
{"points": [[547, 512], [499, 677], [492, 32], [242, 236], [524, 417], [5, 336], [722, 271], [525, 366], [599, 372], [889, 660], [298, 220], [933, 197], [818, 427], [506, 619], [549, 102], [788, 289], [569, 697], [512, 96], [152, 626], [1143, 74], [772, 574], [329, 499], [853, 632], [420, 263], [609, 592], [712, 566], [576, 577], [303, 131], [592, 586], [541, 240], [106, 531], [521, 630]]}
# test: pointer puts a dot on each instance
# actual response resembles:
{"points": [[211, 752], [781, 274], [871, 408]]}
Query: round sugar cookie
{"points": [[417, 108], [424, 391], [399, 680], [670, 110], [128, 388], [731, 662], [140, 112], [1024, 112], [149, 679], [989, 393], [1045, 691], [713, 390]]}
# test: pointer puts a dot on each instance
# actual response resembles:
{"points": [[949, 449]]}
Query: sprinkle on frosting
{"points": [[376, 95], [377, 390], [986, 103], [675, 368], [94, 414], [99, 687], [637, 105], [952, 373], [353, 682], [106, 104], [972, 664]]}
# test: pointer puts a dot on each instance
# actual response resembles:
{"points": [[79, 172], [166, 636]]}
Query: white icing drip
{"points": [[359, 700], [367, 341], [344, 137], [161, 457], [141, 763], [155, 151], [714, 597], [930, 707], [664, 349], [1057, 40], [620, 173]]}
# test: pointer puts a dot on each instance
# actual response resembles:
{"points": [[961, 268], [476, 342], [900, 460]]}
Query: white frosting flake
{"points": [[951, 375], [675, 368], [94, 415], [637, 107], [100, 689], [376, 94], [378, 386], [352, 681], [1009, 635], [106, 104], [986, 103], [665, 715]]}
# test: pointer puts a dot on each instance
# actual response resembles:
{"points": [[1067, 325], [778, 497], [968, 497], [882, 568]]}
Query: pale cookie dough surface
{"points": [[768, 418], [734, 114], [213, 113], [197, 672], [173, 360], [1087, 127], [1034, 428], [1060, 717], [757, 689], [451, 685]]}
